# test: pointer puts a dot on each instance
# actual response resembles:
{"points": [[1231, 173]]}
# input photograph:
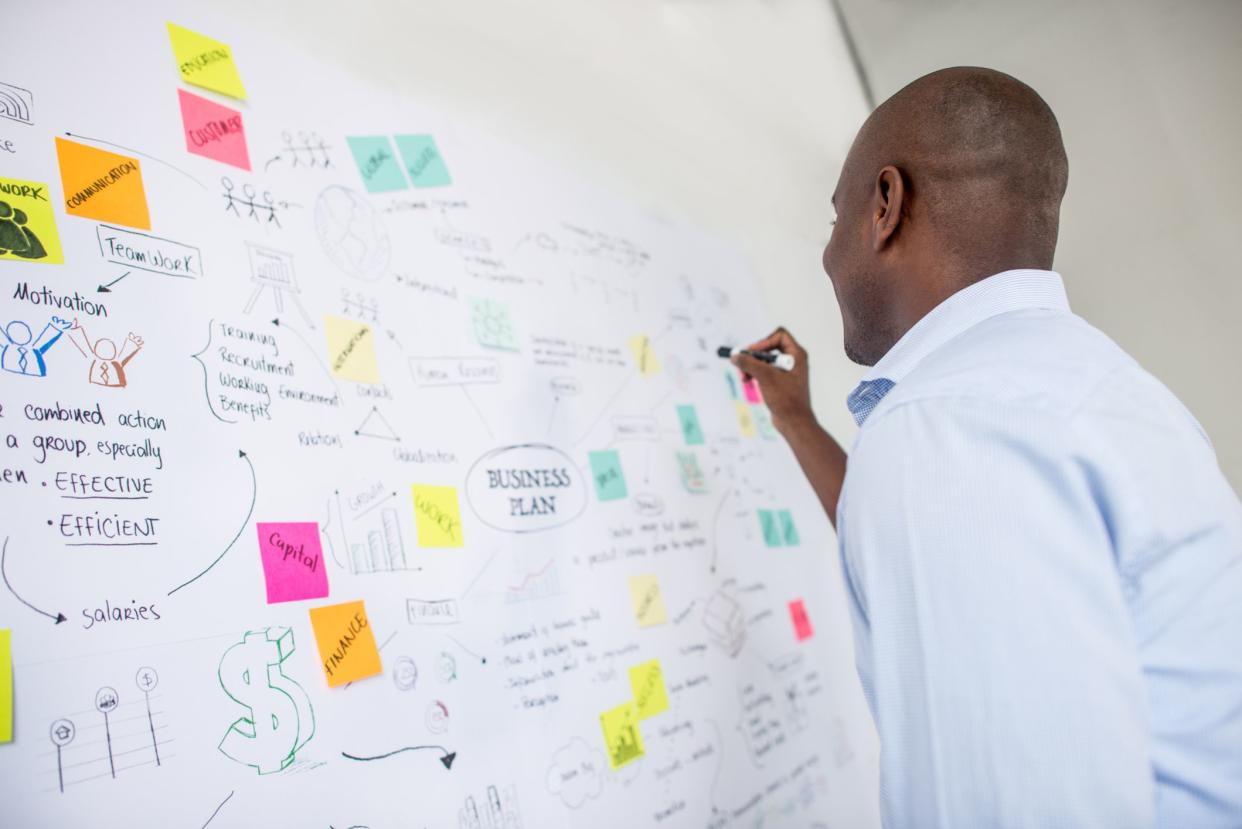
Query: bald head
{"points": [[955, 177]]}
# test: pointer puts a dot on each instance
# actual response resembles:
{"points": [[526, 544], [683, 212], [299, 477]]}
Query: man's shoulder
{"points": [[1045, 361]]}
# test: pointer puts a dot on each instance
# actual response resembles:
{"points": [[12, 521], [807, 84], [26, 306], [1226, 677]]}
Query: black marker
{"points": [[783, 361]]}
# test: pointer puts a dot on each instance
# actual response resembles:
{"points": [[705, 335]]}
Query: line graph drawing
{"points": [[540, 583]]}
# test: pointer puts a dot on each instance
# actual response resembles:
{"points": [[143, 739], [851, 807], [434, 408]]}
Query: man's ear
{"points": [[889, 198]]}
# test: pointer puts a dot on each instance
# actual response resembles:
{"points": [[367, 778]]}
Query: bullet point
{"points": [[49, 522]]}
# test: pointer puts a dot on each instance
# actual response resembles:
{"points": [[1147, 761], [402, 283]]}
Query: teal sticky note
{"points": [[763, 421], [690, 429], [493, 328], [771, 530], [789, 533], [606, 472], [377, 163], [423, 162]]}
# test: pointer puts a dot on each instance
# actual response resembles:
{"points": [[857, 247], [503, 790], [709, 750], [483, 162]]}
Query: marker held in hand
{"points": [[783, 361]]}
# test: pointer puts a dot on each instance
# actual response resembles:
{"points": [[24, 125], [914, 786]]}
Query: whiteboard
{"points": [[488, 408]]}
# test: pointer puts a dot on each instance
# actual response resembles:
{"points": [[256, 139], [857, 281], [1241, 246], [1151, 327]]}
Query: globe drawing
{"points": [[350, 233]]}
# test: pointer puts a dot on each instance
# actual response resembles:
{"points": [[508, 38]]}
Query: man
{"points": [[1042, 558]]}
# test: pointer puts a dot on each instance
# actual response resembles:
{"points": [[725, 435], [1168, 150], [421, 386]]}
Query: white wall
{"points": [[1147, 93]]}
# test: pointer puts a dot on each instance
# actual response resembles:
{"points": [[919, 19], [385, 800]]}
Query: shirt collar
{"points": [[1013, 290], [1006, 291]]}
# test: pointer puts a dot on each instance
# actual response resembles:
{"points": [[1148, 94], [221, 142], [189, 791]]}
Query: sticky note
{"points": [[213, 130], [423, 162], [101, 185], [644, 357], [750, 386], [6, 686], [745, 421], [789, 533], [731, 379], [293, 564], [622, 739], [647, 601], [763, 421], [801, 622], [351, 350], [770, 528], [492, 326], [607, 474], [377, 163], [647, 683], [28, 223], [691, 474], [691, 432], [436, 516], [346, 642], [205, 62]]}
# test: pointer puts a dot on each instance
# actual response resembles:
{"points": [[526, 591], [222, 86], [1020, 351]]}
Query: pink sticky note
{"points": [[213, 130], [293, 564], [801, 622], [751, 388]]}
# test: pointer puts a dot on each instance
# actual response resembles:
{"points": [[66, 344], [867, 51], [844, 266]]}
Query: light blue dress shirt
{"points": [[1044, 566]]}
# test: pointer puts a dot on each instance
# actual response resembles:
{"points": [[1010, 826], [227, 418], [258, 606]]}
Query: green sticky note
{"points": [[493, 327], [423, 162], [771, 530], [789, 533], [377, 163], [691, 474], [690, 429], [606, 472], [763, 422], [6, 686]]}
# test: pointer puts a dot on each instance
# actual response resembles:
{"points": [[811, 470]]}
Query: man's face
{"points": [[847, 259]]}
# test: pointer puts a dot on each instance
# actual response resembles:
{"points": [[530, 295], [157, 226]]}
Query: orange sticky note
{"points": [[346, 642], [101, 185]]}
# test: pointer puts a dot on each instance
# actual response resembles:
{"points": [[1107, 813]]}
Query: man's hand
{"points": [[788, 397], [787, 394]]}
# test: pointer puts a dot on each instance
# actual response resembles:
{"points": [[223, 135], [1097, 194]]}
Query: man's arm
{"points": [[787, 395]]}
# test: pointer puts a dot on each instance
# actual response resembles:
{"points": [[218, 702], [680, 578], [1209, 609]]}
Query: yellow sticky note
{"points": [[346, 642], [622, 739], [644, 356], [647, 601], [101, 185], [745, 420], [6, 686], [436, 516], [647, 683], [28, 223], [205, 62], [351, 350]]}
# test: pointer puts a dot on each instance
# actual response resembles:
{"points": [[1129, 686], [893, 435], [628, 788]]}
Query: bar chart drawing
{"points": [[383, 551]]}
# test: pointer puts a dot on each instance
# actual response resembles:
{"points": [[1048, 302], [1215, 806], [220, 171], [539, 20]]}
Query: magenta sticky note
{"points": [[213, 130], [293, 564], [801, 622], [751, 388]]}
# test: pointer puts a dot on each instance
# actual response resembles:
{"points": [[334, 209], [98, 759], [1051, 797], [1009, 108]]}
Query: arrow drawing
{"points": [[254, 491], [57, 618], [447, 757], [107, 289]]}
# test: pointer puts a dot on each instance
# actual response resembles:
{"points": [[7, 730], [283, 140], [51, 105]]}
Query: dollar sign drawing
{"points": [[279, 719]]}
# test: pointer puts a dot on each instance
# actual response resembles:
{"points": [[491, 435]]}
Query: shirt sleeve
{"points": [[994, 640]]}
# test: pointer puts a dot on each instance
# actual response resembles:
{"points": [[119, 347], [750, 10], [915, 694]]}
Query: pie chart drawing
{"points": [[351, 234]]}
